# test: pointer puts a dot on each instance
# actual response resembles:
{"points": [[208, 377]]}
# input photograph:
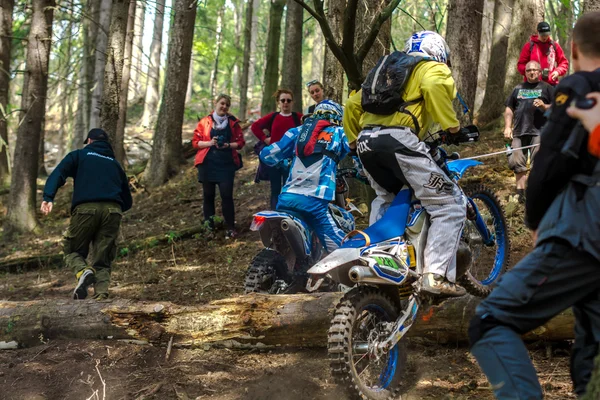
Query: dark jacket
{"points": [[97, 177], [563, 201]]}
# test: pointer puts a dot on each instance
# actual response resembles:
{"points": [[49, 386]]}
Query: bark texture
{"points": [[22, 201], [124, 92], [271, 77], [333, 71], [525, 17], [6, 10], [300, 320], [113, 73], [463, 33], [135, 85], [83, 93], [166, 150], [246, 60], [487, 25], [493, 101], [366, 14], [103, 29], [214, 76], [591, 5], [291, 74], [253, 52], [152, 86]]}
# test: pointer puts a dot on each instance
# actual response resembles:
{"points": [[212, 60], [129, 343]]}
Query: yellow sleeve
{"points": [[352, 113], [439, 90]]}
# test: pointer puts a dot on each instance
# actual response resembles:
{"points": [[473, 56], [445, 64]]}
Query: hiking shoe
{"points": [[521, 194], [437, 285], [231, 234], [101, 296], [85, 279]]}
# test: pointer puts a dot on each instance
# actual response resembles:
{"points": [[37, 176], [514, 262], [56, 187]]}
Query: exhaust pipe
{"points": [[293, 237], [363, 274]]}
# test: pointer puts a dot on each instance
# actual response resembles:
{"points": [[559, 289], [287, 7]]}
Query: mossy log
{"points": [[300, 320]]}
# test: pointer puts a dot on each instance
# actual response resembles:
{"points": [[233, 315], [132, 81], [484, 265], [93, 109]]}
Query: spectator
{"points": [[270, 129], [100, 196], [547, 53], [523, 120], [317, 93], [217, 137]]}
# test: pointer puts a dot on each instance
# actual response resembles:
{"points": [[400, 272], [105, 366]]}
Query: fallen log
{"points": [[246, 321], [36, 261]]}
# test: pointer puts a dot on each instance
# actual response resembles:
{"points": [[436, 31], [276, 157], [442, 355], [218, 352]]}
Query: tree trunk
{"points": [[166, 150], [246, 60], [152, 86], [85, 76], [365, 17], [90, 68], [493, 100], [317, 56], [591, 5], [214, 76], [463, 35], [189, 91], [253, 52], [127, 60], [333, 71], [100, 62], [525, 17], [41, 172], [300, 320], [65, 131], [135, 86], [6, 10], [22, 199], [272, 57], [487, 25], [113, 73], [291, 76]]}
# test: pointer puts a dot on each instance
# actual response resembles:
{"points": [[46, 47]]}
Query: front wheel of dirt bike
{"points": [[267, 273], [489, 260], [360, 318]]}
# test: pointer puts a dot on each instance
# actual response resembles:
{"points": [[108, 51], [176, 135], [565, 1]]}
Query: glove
{"points": [[469, 133], [284, 165]]}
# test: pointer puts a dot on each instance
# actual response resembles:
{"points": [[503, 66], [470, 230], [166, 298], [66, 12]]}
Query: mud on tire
{"points": [[346, 330], [265, 268], [484, 272]]}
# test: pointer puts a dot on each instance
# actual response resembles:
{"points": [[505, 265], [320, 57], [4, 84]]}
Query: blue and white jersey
{"points": [[308, 177]]}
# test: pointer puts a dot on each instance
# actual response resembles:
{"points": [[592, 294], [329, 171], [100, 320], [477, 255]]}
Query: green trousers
{"points": [[96, 225]]}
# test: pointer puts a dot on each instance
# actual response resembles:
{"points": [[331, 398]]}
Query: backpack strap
{"points": [[403, 109], [296, 118], [273, 116]]}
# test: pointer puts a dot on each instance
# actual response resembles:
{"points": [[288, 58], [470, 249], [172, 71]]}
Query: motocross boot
{"points": [[438, 285]]}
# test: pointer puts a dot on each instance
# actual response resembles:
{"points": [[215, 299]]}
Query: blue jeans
{"points": [[315, 213], [550, 279]]}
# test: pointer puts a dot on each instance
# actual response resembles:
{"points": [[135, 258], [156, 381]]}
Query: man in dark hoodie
{"points": [[100, 196]]}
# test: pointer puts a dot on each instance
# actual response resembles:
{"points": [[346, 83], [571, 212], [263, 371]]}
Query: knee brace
{"points": [[479, 325]]}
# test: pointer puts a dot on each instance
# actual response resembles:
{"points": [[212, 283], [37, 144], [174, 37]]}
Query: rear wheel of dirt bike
{"points": [[358, 320], [267, 273], [491, 259]]}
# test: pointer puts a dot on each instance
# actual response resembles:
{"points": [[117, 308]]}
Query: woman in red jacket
{"points": [[217, 137], [271, 128]]}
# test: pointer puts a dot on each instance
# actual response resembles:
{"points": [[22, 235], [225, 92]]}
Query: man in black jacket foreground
{"points": [[563, 208], [100, 196]]}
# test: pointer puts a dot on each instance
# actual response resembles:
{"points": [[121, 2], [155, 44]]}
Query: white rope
{"points": [[499, 152]]}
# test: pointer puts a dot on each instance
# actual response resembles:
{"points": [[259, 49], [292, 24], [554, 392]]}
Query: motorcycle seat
{"points": [[391, 225]]}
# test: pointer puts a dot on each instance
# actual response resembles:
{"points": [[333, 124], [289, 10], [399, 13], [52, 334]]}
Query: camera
{"points": [[220, 140], [545, 73]]}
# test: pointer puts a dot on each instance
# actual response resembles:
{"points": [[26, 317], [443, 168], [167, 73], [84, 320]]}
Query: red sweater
{"points": [[545, 54], [594, 142], [280, 126], [202, 134]]}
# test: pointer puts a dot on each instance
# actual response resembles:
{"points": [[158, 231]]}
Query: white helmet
{"points": [[428, 44]]}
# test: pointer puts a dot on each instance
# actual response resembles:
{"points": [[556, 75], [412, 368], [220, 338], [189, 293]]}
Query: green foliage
{"points": [[172, 236], [123, 251]]}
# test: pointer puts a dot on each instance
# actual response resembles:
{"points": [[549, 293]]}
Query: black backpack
{"points": [[383, 89]]}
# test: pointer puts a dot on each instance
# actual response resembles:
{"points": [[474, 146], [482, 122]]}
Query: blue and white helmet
{"points": [[329, 110], [428, 44]]}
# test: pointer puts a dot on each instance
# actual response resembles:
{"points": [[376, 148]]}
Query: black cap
{"points": [[96, 134], [543, 27]]}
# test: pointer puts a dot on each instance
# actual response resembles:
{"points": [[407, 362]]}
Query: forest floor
{"points": [[201, 269]]}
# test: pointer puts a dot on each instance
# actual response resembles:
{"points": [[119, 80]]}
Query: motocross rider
{"points": [[393, 155], [316, 147]]}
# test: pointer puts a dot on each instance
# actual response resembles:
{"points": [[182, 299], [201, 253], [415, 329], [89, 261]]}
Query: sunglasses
{"points": [[309, 84], [286, 100]]}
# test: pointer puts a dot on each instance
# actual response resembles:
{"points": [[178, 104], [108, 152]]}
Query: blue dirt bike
{"points": [[291, 247], [383, 266]]}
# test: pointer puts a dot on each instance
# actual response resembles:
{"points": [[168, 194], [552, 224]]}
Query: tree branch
{"points": [[349, 27], [381, 18]]}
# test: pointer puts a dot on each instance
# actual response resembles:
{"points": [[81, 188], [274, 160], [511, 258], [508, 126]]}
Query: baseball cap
{"points": [[96, 134], [543, 27]]}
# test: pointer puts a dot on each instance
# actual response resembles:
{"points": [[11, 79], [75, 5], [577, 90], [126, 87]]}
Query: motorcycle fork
{"points": [[401, 326], [488, 240]]}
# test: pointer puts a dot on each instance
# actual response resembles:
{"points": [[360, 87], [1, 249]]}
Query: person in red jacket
{"points": [[217, 137], [547, 52], [271, 128]]}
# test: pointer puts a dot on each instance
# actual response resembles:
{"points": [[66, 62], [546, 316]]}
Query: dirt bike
{"points": [[291, 246], [382, 268]]}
